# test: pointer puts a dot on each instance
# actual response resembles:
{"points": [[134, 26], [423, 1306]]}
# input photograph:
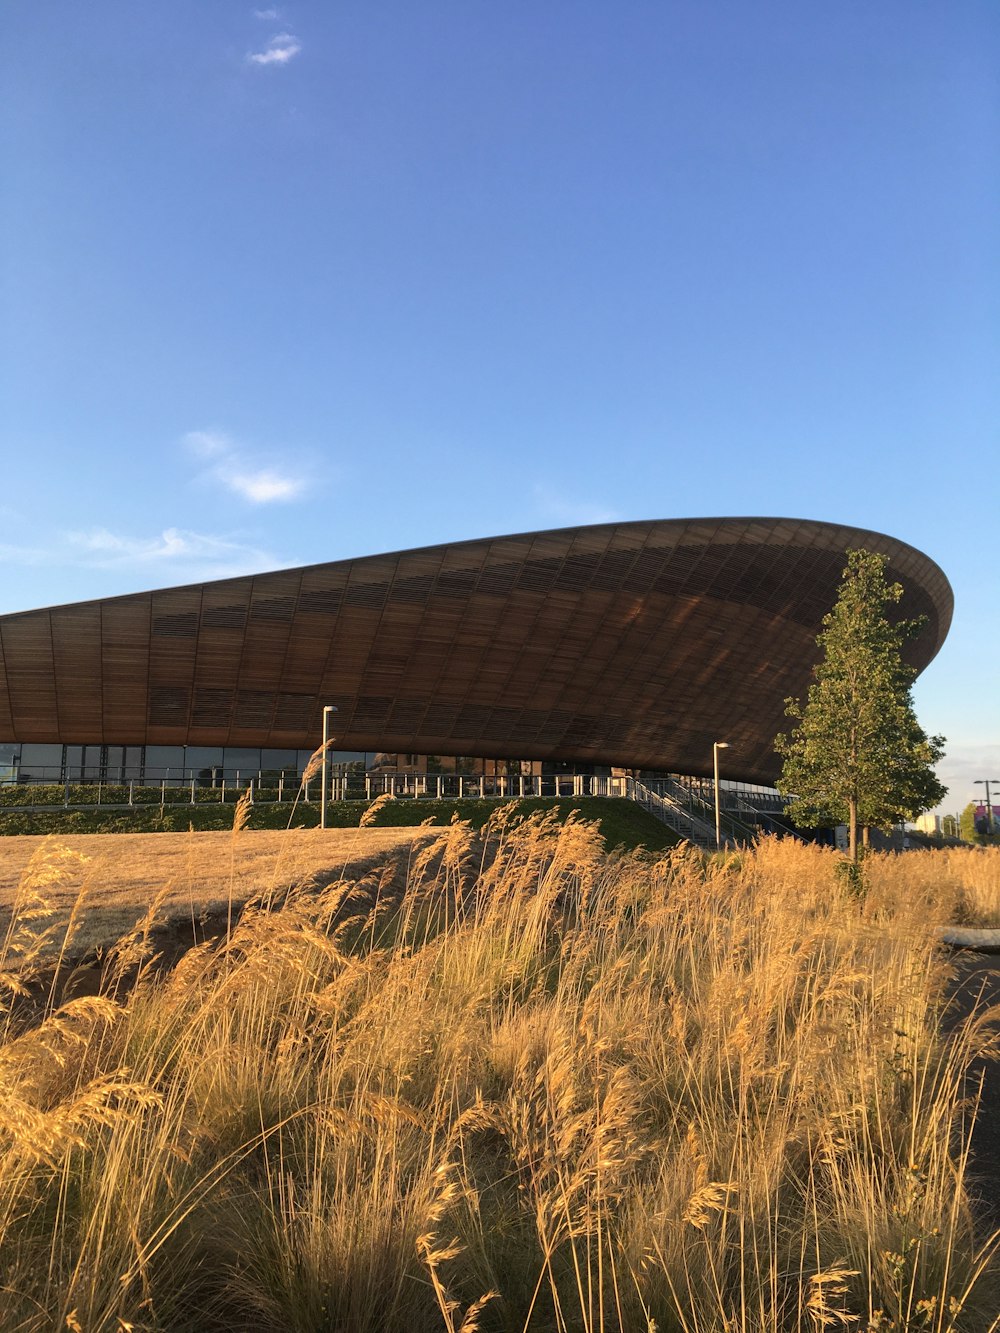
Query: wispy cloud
{"points": [[564, 509], [262, 487], [208, 443], [189, 554], [271, 14], [234, 468], [962, 767], [280, 49], [11, 554]]}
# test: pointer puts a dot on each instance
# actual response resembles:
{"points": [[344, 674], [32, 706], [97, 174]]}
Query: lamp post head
{"points": [[720, 745]]}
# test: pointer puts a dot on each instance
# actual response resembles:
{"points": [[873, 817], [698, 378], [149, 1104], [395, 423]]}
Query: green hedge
{"points": [[622, 822], [55, 793]]}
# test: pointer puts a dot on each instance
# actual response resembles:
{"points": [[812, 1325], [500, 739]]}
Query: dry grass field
{"points": [[542, 1088]]}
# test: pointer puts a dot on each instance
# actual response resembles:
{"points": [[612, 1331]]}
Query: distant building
{"points": [[632, 645], [928, 824]]}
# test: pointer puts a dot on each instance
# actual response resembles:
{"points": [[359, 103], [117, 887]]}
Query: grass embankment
{"points": [[622, 822], [544, 1089], [196, 878]]}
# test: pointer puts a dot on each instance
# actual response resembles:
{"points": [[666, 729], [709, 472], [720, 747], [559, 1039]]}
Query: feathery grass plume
{"points": [[314, 764], [433, 1253], [44, 1136], [69, 934], [826, 1293], [57, 1034], [707, 1202], [241, 817], [135, 949], [502, 817], [456, 856], [620, 1092], [243, 811], [45, 1107], [447, 1304], [27, 945], [371, 814]]}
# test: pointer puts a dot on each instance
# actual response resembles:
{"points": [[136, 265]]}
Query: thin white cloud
{"points": [[208, 443], [565, 510], [279, 50], [261, 487], [191, 554], [233, 468], [23, 555], [265, 14]]}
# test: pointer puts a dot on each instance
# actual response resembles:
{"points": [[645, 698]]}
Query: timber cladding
{"points": [[631, 643]]}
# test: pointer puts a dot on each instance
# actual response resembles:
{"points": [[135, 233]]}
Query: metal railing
{"points": [[195, 789], [678, 805], [770, 819], [734, 831], [668, 810]]}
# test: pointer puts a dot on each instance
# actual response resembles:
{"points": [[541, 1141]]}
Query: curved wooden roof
{"points": [[626, 643]]}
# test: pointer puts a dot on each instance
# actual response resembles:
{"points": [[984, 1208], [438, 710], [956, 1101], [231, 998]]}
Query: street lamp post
{"points": [[716, 747], [327, 710], [985, 782]]}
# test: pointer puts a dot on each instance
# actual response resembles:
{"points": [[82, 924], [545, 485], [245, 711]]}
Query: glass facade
{"points": [[210, 765], [359, 773], [38, 763]]}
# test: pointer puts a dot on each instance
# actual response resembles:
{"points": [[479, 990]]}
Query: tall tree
{"points": [[967, 823], [858, 756]]}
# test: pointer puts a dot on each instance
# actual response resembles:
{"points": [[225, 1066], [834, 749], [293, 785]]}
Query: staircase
{"points": [[768, 821], [691, 817], [735, 832], [669, 811]]}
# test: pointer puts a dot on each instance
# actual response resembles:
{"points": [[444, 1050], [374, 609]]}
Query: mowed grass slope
{"points": [[622, 821], [507, 1082], [111, 879], [195, 874]]}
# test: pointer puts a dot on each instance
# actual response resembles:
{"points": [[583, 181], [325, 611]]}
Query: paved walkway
{"points": [[977, 982]]}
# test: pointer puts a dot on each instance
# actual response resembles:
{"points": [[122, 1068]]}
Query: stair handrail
{"points": [[680, 819], [772, 820], [740, 832]]}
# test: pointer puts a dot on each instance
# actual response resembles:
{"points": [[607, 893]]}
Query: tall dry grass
{"points": [[542, 1088]]}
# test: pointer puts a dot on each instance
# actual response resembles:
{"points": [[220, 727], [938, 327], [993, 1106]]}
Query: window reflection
{"points": [[10, 755], [41, 763], [213, 764], [164, 762]]}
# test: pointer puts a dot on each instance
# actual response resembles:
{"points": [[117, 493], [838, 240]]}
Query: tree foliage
{"points": [[967, 822], [858, 755], [973, 827]]}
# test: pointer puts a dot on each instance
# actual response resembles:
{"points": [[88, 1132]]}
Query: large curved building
{"points": [[633, 644]]}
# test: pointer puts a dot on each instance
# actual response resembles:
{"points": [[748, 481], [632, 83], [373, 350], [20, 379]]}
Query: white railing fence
{"points": [[678, 805]]}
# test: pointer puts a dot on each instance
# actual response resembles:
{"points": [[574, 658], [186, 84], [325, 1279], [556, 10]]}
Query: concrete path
{"points": [[977, 984], [961, 937]]}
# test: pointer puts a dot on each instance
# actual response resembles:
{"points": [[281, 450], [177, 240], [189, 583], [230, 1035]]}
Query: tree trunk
{"points": [[852, 832]]}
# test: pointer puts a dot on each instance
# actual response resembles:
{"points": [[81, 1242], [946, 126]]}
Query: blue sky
{"points": [[294, 284]]}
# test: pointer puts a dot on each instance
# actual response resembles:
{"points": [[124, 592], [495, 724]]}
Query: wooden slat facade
{"points": [[634, 643]]}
